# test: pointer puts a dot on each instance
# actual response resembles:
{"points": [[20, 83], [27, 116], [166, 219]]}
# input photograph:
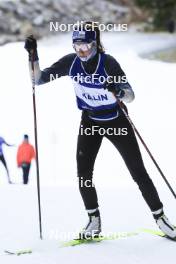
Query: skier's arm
{"points": [[120, 85], [58, 69], [7, 144]]}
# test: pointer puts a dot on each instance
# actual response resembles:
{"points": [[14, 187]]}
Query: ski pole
{"points": [[145, 146], [36, 143]]}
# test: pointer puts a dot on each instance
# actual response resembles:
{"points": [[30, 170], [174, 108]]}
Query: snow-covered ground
{"points": [[122, 206]]}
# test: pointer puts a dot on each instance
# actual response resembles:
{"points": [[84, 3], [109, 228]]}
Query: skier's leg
{"points": [[5, 165], [87, 149], [128, 147]]}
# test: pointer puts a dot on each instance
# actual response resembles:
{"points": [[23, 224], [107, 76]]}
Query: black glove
{"points": [[114, 88], [31, 47]]}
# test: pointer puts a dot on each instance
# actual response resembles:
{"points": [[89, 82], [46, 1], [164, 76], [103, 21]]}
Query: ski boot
{"points": [[93, 228], [164, 224]]}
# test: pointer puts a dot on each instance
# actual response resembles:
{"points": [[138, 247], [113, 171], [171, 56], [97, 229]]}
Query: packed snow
{"points": [[122, 206]]}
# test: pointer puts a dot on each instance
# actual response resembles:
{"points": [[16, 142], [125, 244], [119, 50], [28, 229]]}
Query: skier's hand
{"points": [[31, 47], [115, 89], [30, 44]]}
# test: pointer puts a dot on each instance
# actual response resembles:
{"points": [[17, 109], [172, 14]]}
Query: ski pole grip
{"points": [[122, 105], [32, 59]]}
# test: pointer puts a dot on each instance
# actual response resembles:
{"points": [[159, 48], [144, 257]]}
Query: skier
{"points": [[25, 154], [98, 102], [2, 158]]}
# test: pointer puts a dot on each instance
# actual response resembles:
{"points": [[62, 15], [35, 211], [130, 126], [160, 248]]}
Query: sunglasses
{"points": [[82, 46]]}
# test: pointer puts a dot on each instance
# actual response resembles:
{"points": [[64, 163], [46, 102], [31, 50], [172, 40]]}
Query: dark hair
{"points": [[26, 136], [91, 25]]}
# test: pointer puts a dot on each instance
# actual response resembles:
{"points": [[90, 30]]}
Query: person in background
{"points": [[171, 25], [25, 154], [2, 158]]}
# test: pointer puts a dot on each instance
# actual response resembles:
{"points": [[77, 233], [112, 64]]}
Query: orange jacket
{"points": [[25, 153]]}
